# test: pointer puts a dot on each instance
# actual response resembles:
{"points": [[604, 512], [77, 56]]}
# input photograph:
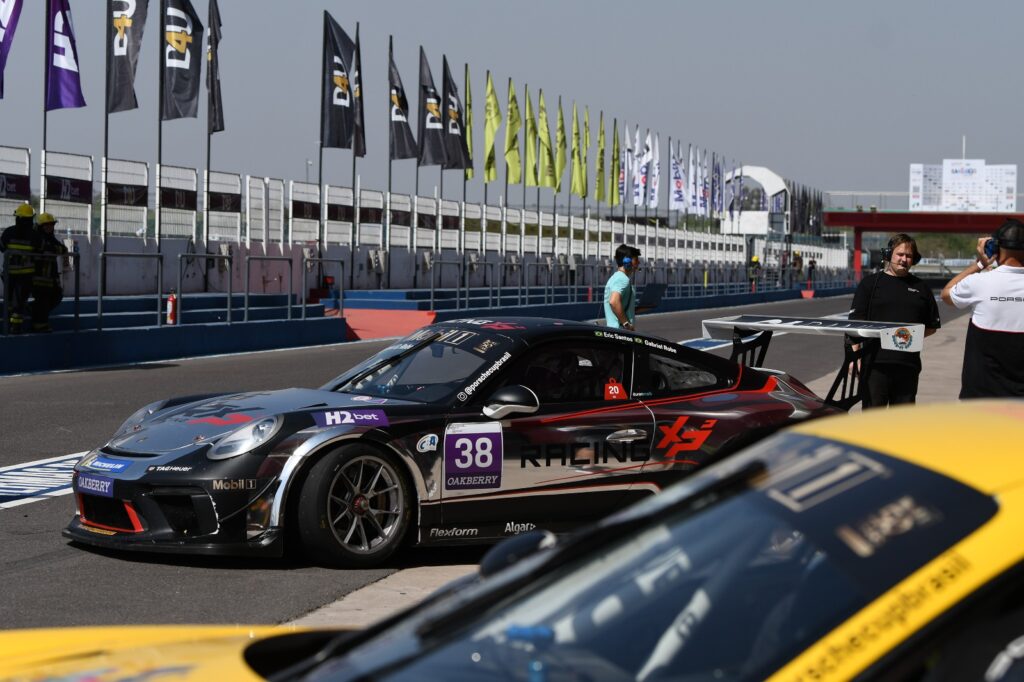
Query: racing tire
{"points": [[354, 508]]}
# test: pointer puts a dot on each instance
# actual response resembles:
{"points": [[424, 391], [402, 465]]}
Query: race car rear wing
{"points": [[751, 335]]}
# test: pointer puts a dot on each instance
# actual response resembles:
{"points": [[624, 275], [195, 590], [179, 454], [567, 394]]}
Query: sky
{"points": [[835, 95]]}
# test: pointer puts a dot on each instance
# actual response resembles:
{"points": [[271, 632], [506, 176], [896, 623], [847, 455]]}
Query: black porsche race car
{"points": [[465, 431]]}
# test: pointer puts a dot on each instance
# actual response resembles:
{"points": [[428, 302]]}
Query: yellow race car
{"points": [[882, 545]]}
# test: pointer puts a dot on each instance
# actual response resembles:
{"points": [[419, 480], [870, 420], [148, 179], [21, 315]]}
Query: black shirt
{"points": [[896, 299]]}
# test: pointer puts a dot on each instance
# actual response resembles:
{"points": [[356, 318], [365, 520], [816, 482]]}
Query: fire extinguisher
{"points": [[172, 308]]}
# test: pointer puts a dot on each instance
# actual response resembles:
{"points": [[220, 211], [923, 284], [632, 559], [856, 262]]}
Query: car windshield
{"points": [[428, 366], [731, 591]]}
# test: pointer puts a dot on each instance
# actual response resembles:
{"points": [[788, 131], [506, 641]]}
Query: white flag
{"points": [[652, 195], [677, 193], [625, 166], [704, 189], [691, 188]]}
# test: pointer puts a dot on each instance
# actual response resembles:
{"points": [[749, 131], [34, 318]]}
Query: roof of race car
{"points": [[976, 442], [522, 326]]}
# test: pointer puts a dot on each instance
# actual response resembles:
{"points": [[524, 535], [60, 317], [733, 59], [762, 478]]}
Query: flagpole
{"points": [[46, 94], [320, 157], [160, 125], [391, 144], [356, 201], [106, 136]]}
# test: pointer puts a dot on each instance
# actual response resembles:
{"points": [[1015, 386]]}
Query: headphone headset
{"points": [[904, 238], [626, 261], [1001, 239]]}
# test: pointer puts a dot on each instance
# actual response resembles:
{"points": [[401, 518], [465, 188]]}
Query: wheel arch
{"points": [[294, 476]]}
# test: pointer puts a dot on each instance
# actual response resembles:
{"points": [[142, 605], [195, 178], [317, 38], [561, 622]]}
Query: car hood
{"points": [[202, 422]]}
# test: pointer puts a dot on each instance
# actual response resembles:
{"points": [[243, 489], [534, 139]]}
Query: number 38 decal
{"points": [[472, 456]]}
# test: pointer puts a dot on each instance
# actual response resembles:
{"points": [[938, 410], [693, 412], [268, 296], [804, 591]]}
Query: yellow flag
{"points": [[585, 151], [599, 183], [469, 125], [546, 166], [492, 120], [531, 142], [576, 182], [616, 167], [559, 149], [513, 163]]}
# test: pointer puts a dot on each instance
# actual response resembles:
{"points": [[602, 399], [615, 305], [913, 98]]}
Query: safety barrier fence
{"points": [[535, 284]]}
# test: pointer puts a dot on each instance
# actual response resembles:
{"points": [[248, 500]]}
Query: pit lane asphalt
{"points": [[51, 583]]}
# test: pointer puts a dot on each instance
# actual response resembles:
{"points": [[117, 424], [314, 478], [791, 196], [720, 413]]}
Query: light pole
{"points": [[309, 164]]}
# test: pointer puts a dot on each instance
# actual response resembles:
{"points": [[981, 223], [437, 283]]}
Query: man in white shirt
{"points": [[994, 352]]}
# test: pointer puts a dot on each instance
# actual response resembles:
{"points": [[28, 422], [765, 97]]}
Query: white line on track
{"points": [[36, 481]]}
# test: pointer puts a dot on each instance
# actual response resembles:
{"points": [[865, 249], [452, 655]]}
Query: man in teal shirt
{"points": [[619, 292]]}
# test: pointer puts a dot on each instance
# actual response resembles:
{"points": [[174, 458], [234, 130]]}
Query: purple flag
{"points": [[64, 87], [9, 13]]}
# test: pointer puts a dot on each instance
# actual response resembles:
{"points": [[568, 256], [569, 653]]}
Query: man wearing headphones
{"points": [[994, 351], [895, 295], [619, 292]]}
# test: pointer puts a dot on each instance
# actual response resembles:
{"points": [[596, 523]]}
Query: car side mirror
{"points": [[516, 399], [515, 549]]}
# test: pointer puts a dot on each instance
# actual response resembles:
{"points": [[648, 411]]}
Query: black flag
{"points": [[431, 121], [359, 133], [403, 144], [129, 20], [337, 114], [182, 60], [215, 105], [456, 149]]}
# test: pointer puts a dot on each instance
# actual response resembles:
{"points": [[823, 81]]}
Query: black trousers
{"points": [[891, 385], [17, 301], [44, 300]]}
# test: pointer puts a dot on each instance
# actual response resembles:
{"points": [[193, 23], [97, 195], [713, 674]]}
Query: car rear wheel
{"points": [[354, 508]]}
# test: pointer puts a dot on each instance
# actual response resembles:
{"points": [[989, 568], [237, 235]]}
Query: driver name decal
{"points": [[340, 417], [472, 456]]}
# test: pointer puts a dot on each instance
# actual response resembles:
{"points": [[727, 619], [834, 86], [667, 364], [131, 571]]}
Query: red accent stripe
{"points": [[136, 523], [132, 516], [768, 387]]}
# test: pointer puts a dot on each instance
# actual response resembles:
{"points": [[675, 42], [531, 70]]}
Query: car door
{"points": [[691, 402], [577, 458]]}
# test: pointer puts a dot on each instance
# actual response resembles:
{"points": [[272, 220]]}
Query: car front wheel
{"points": [[354, 508]]}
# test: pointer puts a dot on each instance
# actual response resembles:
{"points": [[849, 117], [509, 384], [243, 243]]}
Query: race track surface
{"points": [[49, 582]]}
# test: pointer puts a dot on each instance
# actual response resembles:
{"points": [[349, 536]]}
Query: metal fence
{"points": [[177, 202], [126, 211], [67, 191]]}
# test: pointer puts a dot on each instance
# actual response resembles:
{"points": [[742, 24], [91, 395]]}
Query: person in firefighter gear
{"points": [[46, 285], [19, 245]]}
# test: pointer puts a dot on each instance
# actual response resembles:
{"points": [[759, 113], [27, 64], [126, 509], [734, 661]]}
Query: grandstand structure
{"points": [[375, 239]]}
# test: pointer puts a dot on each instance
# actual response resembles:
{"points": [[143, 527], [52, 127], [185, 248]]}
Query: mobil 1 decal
{"points": [[472, 456]]}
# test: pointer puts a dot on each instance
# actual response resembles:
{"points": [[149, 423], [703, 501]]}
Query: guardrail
{"points": [[248, 262], [158, 257], [181, 291], [441, 262], [307, 260]]}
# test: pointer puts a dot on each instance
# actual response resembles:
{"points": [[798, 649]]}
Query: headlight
{"points": [[137, 418], [245, 439]]}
